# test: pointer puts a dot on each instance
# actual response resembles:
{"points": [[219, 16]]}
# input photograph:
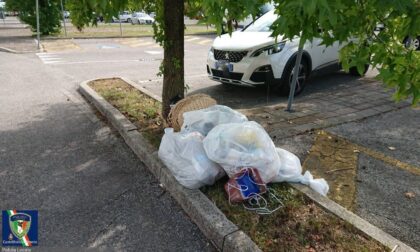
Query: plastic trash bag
{"points": [[185, 157], [290, 167], [291, 171], [237, 145], [204, 120], [318, 185]]}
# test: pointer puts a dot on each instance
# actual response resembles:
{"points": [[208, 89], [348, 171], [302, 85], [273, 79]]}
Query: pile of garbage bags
{"points": [[216, 141]]}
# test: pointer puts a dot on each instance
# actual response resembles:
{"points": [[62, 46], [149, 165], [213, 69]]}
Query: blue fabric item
{"points": [[247, 185]]}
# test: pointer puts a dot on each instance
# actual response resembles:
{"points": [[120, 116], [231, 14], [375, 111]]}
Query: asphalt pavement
{"points": [[381, 187], [91, 191]]}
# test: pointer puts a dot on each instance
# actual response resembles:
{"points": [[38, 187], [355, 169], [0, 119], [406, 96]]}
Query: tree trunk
{"points": [[173, 62]]}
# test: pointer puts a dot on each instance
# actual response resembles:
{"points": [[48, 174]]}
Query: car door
{"points": [[323, 55]]}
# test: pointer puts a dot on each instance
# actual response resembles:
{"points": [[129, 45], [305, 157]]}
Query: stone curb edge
{"points": [[240, 239], [8, 50], [355, 220], [225, 235]]}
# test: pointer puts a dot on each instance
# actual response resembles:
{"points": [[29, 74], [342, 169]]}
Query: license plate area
{"points": [[224, 65]]}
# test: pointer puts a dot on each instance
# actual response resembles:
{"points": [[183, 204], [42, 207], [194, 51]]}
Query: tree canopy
{"points": [[49, 14]]}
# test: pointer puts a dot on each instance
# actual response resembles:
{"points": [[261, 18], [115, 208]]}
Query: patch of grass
{"points": [[139, 108], [298, 226], [128, 30]]}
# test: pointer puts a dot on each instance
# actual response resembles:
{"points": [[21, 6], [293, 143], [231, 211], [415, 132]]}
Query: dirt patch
{"points": [[128, 30], [139, 108], [335, 160]]}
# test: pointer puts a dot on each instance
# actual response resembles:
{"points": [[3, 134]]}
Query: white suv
{"points": [[252, 57]]}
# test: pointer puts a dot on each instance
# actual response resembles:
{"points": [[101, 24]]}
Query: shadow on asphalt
{"points": [[241, 97], [79, 175]]}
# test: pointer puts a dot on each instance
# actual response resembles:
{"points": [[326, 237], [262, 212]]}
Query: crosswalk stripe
{"points": [[49, 58]]}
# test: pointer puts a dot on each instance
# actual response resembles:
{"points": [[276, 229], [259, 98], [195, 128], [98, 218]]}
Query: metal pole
{"points": [[38, 35], [295, 77], [119, 20], [64, 19]]}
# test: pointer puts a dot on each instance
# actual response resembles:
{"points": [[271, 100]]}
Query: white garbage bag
{"points": [[291, 171], [318, 185], [204, 120], [237, 145], [184, 155], [290, 167]]}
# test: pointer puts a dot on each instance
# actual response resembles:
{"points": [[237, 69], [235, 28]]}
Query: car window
{"points": [[263, 23]]}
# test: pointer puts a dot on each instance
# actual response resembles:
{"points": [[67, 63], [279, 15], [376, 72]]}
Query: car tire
{"points": [[415, 43], [353, 71], [128, 20], [283, 88]]}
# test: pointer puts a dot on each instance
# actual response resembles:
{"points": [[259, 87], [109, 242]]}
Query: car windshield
{"points": [[263, 23]]}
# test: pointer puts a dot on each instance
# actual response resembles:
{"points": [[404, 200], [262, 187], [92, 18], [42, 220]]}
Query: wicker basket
{"points": [[189, 103]]}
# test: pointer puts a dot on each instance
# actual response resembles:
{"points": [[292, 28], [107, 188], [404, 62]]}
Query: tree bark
{"points": [[173, 62]]}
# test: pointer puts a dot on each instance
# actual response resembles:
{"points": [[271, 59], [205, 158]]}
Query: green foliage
{"points": [[49, 14], [353, 23]]}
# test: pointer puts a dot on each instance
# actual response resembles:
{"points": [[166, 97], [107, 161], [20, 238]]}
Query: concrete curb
{"points": [[8, 50], [225, 235], [361, 224]]}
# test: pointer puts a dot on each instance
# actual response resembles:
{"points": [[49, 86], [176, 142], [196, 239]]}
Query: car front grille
{"points": [[227, 75], [231, 56]]}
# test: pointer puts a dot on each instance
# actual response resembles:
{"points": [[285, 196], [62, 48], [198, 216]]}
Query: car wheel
{"points": [[128, 20], [355, 72], [286, 80], [412, 43]]}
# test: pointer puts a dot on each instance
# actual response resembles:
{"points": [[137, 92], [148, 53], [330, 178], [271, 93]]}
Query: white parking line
{"points": [[153, 52]]}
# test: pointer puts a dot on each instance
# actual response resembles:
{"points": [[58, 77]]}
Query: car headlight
{"points": [[212, 49], [272, 49]]}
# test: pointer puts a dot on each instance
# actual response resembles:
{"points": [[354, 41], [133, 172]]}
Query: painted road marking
{"points": [[153, 52], [49, 58], [108, 46]]}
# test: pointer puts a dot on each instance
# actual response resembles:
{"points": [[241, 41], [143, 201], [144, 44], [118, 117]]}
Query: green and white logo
{"points": [[19, 223]]}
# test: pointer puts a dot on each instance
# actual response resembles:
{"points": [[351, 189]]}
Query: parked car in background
{"points": [[409, 42], [152, 15], [413, 43], [141, 18], [252, 57], [66, 14], [124, 16]]}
